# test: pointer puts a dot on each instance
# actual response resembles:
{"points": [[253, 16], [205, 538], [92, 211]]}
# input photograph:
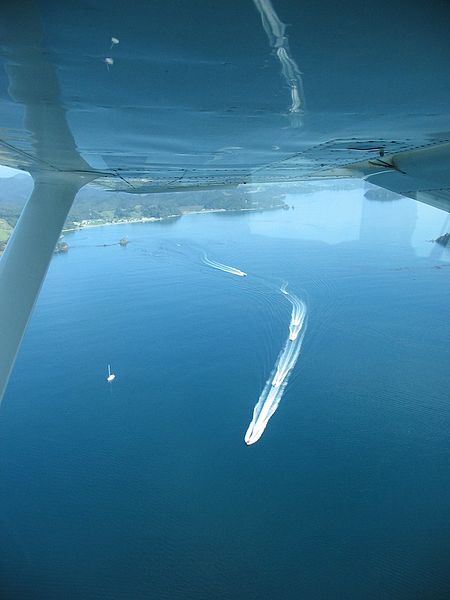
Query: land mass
{"points": [[94, 206], [444, 240]]}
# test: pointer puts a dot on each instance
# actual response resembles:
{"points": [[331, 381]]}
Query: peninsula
{"points": [[95, 206]]}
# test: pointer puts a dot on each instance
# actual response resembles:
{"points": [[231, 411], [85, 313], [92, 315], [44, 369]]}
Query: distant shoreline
{"points": [[158, 219], [91, 225], [125, 222]]}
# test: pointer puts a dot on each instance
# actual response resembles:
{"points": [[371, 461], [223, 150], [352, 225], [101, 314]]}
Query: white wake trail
{"points": [[222, 267], [276, 384], [298, 313]]}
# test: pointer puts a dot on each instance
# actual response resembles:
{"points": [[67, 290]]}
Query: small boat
{"points": [[111, 376], [276, 380]]}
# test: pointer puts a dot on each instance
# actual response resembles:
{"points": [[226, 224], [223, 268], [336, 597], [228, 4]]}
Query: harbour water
{"points": [[144, 487]]}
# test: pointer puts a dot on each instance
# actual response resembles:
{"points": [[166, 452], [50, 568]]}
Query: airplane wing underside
{"points": [[186, 96]]}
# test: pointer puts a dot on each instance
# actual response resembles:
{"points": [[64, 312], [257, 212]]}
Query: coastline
{"points": [[122, 222], [158, 219], [90, 225]]}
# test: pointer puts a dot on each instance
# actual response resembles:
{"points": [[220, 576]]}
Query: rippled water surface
{"points": [[144, 488]]}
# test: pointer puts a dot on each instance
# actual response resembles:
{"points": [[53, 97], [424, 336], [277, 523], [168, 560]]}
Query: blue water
{"points": [[145, 489]]}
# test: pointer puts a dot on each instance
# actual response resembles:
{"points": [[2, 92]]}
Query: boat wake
{"points": [[298, 313], [222, 267], [276, 384]]}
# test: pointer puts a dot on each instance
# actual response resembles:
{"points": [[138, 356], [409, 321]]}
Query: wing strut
{"points": [[26, 259]]}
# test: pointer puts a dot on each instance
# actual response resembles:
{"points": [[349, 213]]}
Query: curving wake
{"points": [[274, 389], [276, 384], [222, 267], [298, 313]]}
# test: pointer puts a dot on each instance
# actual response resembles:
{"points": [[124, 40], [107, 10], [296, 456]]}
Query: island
{"points": [[443, 240], [61, 248]]}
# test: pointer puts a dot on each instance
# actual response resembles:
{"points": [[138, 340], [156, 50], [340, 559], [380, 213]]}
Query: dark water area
{"points": [[144, 488]]}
